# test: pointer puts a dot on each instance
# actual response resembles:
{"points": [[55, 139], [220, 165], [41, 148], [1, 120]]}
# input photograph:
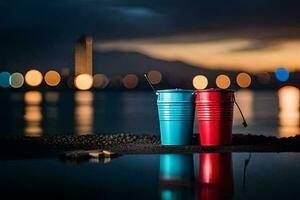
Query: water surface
{"points": [[166, 176]]}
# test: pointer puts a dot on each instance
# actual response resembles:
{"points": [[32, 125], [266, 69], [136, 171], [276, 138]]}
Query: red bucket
{"points": [[215, 115]]}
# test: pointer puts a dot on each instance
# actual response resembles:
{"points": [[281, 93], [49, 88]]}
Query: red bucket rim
{"points": [[215, 90]]}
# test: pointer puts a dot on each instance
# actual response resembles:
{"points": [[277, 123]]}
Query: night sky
{"points": [[42, 33]]}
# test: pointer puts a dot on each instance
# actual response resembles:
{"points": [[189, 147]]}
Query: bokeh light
{"points": [[83, 81], [155, 77], [52, 78], [282, 74], [264, 78], [16, 80], [223, 81], [130, 81], [4, 79], [200, 82], [33, 77], [243, 80], [65, 71], [100, 81]]}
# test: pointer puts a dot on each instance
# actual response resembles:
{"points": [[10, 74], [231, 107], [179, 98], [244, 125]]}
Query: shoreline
{"points": [[22, 147]]}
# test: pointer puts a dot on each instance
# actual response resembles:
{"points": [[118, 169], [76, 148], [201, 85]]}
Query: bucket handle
{"points": [[237, 105], [149, 82]]}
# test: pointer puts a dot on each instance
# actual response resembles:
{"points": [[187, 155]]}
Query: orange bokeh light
{"points": [[243, 80], [154, 77], [223, 81], [83, 81], [200, 82], [130, 81], [52, 78], [33, 77]]}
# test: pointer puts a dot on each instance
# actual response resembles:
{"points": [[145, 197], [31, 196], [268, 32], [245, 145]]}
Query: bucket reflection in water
{"points": [[51, 111], [215, 176], [52, 99], [84, 112], [245, 100], [33, 114], [176, 176], [289, 98]]}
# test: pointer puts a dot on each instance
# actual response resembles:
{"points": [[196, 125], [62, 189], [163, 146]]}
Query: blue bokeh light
{"points": [[282, 74], [4, 79]]}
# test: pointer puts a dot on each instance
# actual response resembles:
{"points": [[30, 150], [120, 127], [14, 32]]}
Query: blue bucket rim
{"points": [[175, 91]]}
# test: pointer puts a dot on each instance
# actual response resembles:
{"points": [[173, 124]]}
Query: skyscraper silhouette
{"points": [[84, 55]]}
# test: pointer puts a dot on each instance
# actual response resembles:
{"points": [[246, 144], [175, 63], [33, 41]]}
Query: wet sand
{"points": [[50, 146]]}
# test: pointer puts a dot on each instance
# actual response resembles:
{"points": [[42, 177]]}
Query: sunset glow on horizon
{"points": [[232, 54]]}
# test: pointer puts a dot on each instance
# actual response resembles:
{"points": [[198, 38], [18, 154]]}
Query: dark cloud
{"points": [[42, 32], [136, 12]]}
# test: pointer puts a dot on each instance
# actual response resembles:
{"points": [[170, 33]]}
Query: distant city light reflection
{"points": [[83, 81], [52, 97], [84, 112], [51, 110], [243, 80], [4, 79], [282, 74], [33, 77], [16, 80], [130, 81], [33, 114], [52, 78], [155, 77], [33, 97], [223, 81], [200, 82], [289, 100]]}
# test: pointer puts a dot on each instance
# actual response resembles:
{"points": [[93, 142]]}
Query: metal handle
{"points": [[237, 105], [149, 82]]}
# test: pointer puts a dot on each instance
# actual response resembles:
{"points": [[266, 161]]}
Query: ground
{"points": [[50, 146]]}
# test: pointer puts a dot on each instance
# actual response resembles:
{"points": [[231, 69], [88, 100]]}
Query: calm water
{"points": [[34, 113], [209, 176]]}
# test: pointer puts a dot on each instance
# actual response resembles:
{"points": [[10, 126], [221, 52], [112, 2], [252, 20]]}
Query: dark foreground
{"points": [[50, 146]]}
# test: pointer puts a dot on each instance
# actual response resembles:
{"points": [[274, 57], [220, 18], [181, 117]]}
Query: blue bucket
{"points": [[176, 110]]}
